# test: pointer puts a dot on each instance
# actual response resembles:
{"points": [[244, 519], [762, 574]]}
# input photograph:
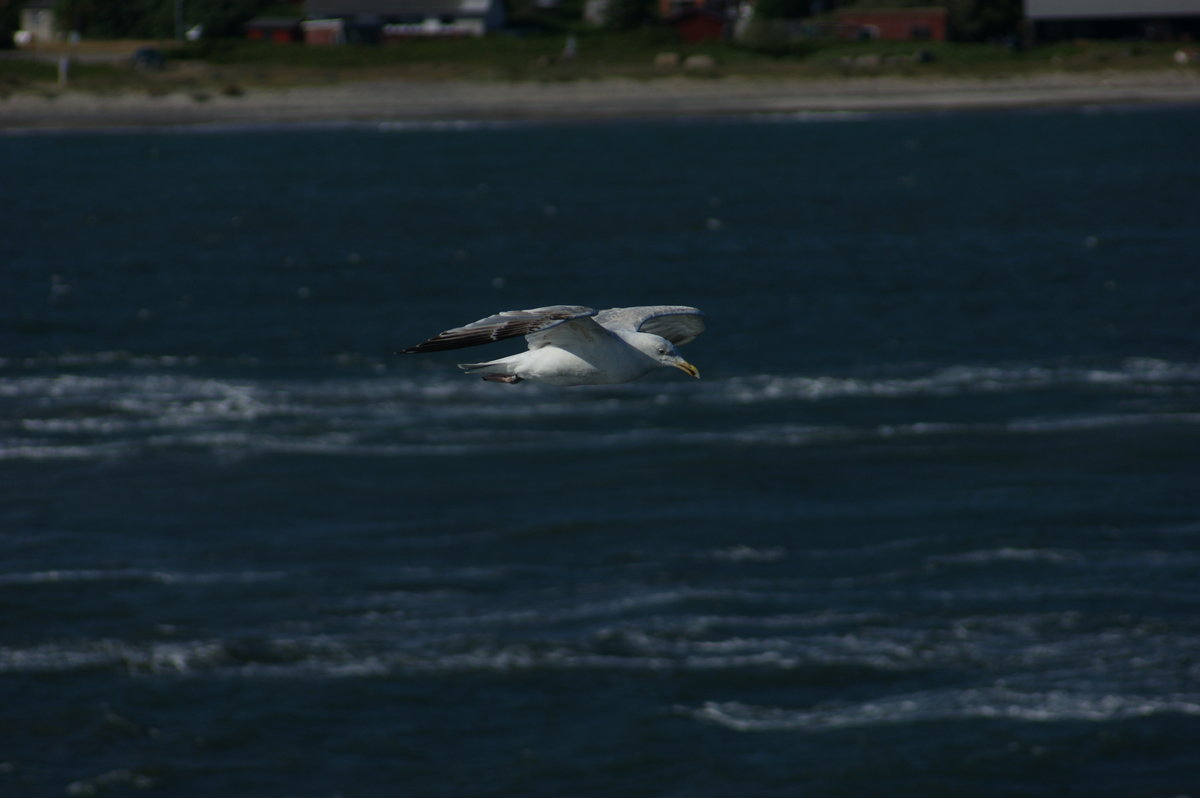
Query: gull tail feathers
{"points": [[492, 371]]}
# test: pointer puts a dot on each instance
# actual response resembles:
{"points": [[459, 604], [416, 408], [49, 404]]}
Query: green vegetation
{"points": [[971, 20], [537, 52], [149, 19], [41, 77], [632, 54]]}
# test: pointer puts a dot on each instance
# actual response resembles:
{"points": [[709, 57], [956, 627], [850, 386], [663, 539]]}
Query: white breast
{"points": [[583, 366]]}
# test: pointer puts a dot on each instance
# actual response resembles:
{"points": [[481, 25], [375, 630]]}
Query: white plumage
{"points": [[576, 345]]}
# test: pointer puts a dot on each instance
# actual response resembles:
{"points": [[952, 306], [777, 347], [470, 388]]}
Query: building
{"points": [[381, 20], [893, 24], [324, 31], [700, 26], [38, 22], [280, 30], [697, 20], [1052, 20]]}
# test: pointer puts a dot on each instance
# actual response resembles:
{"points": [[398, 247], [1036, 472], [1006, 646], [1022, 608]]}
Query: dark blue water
{"points": [[928, 526]]}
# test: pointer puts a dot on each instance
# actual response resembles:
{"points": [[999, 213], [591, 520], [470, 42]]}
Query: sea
{"points": [[928, 524]]}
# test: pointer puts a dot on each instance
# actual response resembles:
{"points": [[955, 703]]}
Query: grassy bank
{"points": [[234, 66], [633, 54]]}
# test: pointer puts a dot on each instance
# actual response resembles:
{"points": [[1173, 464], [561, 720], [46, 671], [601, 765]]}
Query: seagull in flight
{"points": [[576, 345]]}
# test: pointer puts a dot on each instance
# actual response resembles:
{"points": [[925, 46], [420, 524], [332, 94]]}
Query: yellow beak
{"points": [[688, 368]]}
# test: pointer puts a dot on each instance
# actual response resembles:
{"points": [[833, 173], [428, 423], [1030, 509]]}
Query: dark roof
{"points": [[913, 11], [1098, 9], [691, 13], [315, 9], [273, 22]]}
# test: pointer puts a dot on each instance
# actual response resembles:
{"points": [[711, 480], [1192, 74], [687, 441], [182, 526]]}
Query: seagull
{"points": [[576, 345]]}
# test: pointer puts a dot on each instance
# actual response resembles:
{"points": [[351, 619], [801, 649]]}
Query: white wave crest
{"points": [[1009, 554], [1147, 374], [158, 657], [161, 404], [69, 576], [993, 703]]}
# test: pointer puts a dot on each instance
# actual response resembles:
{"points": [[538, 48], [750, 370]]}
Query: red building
{"points": [[324, 31], [696, 20], [281, 30], [699, 26], [894, 24]]}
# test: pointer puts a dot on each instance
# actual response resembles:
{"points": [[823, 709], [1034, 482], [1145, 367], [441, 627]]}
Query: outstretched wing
{"points": [[677, 323], [507, 324]]}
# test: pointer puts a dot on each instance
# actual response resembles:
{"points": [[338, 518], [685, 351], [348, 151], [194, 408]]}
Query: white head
{"points": [[663, 352]]}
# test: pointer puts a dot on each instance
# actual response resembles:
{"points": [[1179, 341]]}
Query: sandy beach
{"points": [[430, 101]]}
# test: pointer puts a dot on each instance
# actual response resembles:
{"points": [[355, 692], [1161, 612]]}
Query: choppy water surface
{"points": [[927, 526]]}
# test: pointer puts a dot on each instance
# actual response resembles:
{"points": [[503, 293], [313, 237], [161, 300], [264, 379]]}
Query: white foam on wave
{"points": [[546, 613], [105, 654], [989, 703], [742, 553], [618, 632], [446, 631], [162, 405], [104, 359], [449, 651], [803, 435], [519, 657], [70, 576], [267, 128], [118, 779], [1144, 373], [1102, 421], [278, 656], [811, 117], [44, 450], [448, 125], [1009, 554], [1142, 560], [130, 402], [870, 649]]}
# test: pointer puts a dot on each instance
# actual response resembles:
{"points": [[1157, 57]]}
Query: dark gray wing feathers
{"points": [[508, 324]]}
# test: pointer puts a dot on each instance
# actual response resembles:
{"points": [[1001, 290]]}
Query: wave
{"points": [[946, 379], [800, 647], [245, 128], [1009, 554], [1110, 560], [103, 359], [806, 435], [70, 576], [986, 703], [438, 620], [743, 553], [112, 405], [128, 657], [484, 440], [808, 117], [304, 657], [1149, 374]]}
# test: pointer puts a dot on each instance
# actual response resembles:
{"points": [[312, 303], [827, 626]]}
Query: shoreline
{"points": [[427, 101]]}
